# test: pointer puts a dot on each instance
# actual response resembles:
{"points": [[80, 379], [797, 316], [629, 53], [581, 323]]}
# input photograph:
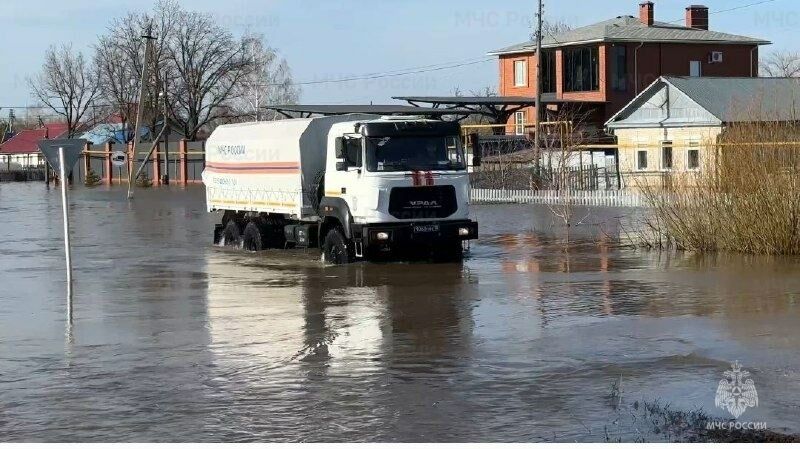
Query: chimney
{"points": [[647, 13], [697, 17]]}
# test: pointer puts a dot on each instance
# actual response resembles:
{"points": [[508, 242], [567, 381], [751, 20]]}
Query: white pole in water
{"points": [[67, 251]]}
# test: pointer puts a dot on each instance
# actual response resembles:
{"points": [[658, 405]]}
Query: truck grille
{"points": [[411, 203]]}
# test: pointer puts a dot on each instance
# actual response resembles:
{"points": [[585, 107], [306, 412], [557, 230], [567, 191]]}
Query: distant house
{"points": [[22, 150], [597, 69], [674, 124]]}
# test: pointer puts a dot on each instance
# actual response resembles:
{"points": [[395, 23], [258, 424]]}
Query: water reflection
{"points": [[173, 339]]}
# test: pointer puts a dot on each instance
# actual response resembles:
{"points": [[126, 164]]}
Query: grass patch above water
{"points": [[746, 199]]}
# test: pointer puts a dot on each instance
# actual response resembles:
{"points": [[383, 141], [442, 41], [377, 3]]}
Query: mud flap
{"points": [[218, 228]]}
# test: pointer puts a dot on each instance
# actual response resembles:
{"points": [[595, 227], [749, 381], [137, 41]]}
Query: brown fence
{"points": [[186, 162]]}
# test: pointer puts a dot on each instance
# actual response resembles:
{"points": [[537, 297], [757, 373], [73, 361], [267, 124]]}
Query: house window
{"points": [[519, 123], [548, 71], [693, 156], [695, 68], [641, 160], [620, 81], [666, 155], [582, 69], [520, 73]]}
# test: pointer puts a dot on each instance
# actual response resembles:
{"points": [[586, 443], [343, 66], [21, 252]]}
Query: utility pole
{"points": [[148, 50], [165, 178], [536, 135]]}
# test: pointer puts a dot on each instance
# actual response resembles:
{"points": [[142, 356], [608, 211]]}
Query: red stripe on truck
{"points": [[254, 168]]}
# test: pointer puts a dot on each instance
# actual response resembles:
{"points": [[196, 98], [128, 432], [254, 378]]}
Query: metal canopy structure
{"points": [[305, 111], [498, 109]]}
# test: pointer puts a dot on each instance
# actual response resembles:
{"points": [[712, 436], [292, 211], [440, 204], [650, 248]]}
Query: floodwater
{"points": [[173, 339]]}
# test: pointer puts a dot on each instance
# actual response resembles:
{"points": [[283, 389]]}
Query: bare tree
{"points": [[551, 28], [211, 76], [782, 64], [209, 64], [268, 83], [119, 56], [66, 85]]}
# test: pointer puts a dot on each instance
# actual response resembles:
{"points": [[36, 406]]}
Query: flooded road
{"points": [[173, 339]]}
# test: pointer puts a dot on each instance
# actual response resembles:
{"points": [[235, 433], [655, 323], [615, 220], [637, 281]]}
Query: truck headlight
{"points": [[463, 232], [382, 236]]}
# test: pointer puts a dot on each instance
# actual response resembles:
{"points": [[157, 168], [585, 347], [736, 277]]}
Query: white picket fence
{"points": [[614, 198]]}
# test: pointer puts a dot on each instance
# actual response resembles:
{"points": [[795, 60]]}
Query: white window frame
{"points": [[693, 146], [646, 159], [520, 73], [665, 144], [519, 123], [698, 65]]}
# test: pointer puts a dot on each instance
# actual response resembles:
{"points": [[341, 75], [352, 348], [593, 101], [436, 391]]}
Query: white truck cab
{"points": [[356, 186]]}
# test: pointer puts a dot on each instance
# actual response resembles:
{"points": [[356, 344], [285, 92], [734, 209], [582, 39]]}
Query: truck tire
{"points": [[231, 235], [336, 249], [253, 237]]}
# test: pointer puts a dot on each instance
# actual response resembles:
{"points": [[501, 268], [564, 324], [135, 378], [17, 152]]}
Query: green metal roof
{"points": [[743, 99], [631, 29], [723, 100]]}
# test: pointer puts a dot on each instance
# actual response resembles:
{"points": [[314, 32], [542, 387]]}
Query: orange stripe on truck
{"points": [[254, 168]]}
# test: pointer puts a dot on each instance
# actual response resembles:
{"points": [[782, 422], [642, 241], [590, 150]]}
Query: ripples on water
{"points": [[174, 339]]}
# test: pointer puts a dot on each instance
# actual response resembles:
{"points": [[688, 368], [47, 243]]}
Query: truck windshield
{"points": [[385, 154]]}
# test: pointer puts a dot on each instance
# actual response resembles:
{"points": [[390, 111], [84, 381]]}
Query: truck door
{"points": [[343, 181]]}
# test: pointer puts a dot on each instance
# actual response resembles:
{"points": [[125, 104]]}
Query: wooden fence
{"points": [[614, 198]]}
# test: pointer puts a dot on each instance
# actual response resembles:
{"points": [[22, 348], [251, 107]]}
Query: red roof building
{"points": [[27, 141]]}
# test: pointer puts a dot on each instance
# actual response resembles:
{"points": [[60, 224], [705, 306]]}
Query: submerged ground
{"points": [[173, 339]]}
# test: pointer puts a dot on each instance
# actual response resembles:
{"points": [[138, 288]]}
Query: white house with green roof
{"points": [[674, 124]]}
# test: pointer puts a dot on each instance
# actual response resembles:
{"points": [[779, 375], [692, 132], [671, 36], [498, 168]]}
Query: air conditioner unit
{"points": [[715, 57]]}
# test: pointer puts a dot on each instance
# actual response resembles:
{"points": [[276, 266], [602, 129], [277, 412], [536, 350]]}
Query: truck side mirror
{"points": [[476, 161], [341, 166], [340, 148]]}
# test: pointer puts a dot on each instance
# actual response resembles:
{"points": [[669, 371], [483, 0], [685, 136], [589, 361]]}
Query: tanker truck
{"points": [[355, 186]]}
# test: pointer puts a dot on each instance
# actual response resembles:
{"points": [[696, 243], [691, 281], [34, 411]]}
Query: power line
{"points": [[380, 75], [735, 8], [719, 11], [364, 77]]}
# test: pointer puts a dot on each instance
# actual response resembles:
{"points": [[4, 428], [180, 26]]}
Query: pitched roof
{"points": [[631, 29], [729, 100], [106, 132], [27, 141], [743, 99]]}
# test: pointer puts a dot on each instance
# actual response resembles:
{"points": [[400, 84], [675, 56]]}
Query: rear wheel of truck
{"points": [[231, 235], [253, 237], [336, 249]]}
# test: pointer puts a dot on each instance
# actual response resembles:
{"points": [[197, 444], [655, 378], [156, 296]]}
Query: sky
{"points": [[337, 39]]}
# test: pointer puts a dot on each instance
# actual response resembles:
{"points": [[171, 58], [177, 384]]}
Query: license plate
{"points": [[421, 229]]}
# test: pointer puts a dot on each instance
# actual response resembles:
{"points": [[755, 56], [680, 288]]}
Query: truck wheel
{"points": [[231, 235], [335, 249], [253, 238]]}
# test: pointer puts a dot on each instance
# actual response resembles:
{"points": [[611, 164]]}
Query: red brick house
{"points": [[598, 69]]}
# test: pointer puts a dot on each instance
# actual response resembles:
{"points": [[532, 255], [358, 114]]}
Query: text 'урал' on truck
{"points": [[356, 186]]}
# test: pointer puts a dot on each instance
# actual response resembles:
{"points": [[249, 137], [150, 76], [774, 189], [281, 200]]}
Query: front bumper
{"points": [[396, 235]]}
